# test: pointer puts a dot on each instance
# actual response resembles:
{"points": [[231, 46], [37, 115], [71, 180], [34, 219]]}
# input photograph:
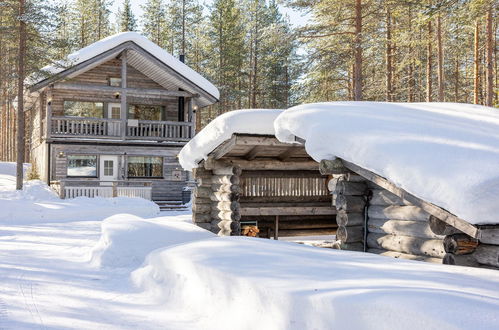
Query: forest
{"points": [[380, 50]]}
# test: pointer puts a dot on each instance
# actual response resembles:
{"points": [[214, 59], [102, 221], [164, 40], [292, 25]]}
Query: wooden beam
{"points": [[250, 155], [288, 153], [223, 148], [112, 89], [124, 109], [288, 210], [432, 209], [261, 165]]}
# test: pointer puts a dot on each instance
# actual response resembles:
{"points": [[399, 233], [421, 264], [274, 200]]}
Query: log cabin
{"points": [[111, 119], [256, 185]]}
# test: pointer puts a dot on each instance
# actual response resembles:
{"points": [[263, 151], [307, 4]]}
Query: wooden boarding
{"points": [[298, 210]]}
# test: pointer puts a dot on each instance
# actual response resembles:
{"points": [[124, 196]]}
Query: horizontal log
{"points": [[306, 232], [350, 203], [383, 197], [202, 192], [201, 208], [281, 174], [226, 206], [398, 213], [460, 260], [229, 170], [281, 199], [406, 256], [273, 165], [406, 244], [487, 254], [489, 235], [347, 187], [204, 225], [299, 210], [339, 245], [441, 228], [460, 244], [411, 228], [299, 224], [286, 204], [201, 217], [350, 234], [226, 188], [225, 196], [349, 219], [225, 215], [335, 166]]}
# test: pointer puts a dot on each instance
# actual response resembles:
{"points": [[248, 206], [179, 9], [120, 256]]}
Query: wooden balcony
{"points": [[112, 129]]}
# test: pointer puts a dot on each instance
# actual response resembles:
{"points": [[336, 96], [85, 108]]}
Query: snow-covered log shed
{"points": [[259, 182]]}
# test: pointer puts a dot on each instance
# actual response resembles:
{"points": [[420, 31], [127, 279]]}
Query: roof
{"points": [[444, 153], [143, 55]]}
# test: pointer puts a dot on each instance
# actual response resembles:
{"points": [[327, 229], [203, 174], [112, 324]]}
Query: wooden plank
{"points": [[253, 153], [288, 153], [437, 211], [223, 148], [298, 210], [138, 92]]}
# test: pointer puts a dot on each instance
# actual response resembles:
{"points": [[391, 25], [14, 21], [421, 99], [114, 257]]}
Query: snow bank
{"points": [[37, 203], [126, 240], [245, 283], [117, 39], [445, 153], [254, 121]]}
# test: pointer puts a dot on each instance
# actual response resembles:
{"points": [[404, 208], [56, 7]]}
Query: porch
{"points": [[113, 129], [95, 188]]}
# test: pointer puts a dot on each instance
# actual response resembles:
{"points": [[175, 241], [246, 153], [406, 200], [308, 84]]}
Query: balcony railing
{"points": [[111, 128], [160, 130], [107, 189], [91, 127]]}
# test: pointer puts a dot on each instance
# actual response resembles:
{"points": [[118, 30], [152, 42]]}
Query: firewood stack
{"points": [[251, 231]]}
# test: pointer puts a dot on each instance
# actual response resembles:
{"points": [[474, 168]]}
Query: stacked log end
{"points": [[349, 192], [463, 250], [216, 199], [401, 230]]}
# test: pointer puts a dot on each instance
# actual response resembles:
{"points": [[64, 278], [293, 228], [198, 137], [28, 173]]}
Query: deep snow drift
{"points": [[37, 202], [445, 153], [254, 121]]}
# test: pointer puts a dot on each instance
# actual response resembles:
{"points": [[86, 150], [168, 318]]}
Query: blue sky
{"points": [[295, 17]]}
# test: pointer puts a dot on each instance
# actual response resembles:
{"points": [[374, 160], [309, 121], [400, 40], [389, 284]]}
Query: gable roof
{"points": [[143, 55]]}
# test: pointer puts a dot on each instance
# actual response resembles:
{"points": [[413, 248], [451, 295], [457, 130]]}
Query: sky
{"points": [[295, 17]]}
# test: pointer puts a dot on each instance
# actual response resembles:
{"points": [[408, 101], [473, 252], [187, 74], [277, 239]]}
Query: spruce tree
{"points": [[126, 18]]}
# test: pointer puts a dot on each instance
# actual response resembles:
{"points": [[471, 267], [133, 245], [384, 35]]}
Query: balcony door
{"points": [[108, 168], [114, 111]]}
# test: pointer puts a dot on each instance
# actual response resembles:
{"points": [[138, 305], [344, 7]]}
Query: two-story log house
{"points": [[111, 118]]}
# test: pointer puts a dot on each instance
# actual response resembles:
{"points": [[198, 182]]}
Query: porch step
{"points": [[171, 206]]}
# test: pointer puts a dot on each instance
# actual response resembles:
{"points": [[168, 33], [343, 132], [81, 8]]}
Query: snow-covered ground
{"points": [[127, 272]]}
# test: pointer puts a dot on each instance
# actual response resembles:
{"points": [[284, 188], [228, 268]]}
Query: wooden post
{"points": [[48, 114], [115, 189], [124, 110], [190, 117], [276, 228]]}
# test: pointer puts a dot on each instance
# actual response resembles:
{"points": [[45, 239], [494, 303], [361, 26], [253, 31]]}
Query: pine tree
{"points": [[126, 18]]}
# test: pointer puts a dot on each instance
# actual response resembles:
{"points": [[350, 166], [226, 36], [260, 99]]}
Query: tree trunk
{"points": [[429, 63], [489, 62], [440, 61], [476, 62], [389, 57], [20, 97], [358, 80]]}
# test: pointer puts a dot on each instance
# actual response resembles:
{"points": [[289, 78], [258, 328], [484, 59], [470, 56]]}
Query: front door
{"points": [[108, 168], [114, 111]]}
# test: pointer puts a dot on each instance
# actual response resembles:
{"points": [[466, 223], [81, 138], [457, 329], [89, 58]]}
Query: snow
{"points": [[37, 203], [130, 272], [257, 283], [444, 153], [112, 41], [254, 121], [126, 240]]}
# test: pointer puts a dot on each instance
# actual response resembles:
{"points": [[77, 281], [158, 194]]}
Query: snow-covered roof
{"points": [[444, 153], [113, 41], [254, 121]]}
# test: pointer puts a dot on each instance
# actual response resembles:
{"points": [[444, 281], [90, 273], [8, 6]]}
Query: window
{"points": [[81, 165], [145, 112], [145, 167], [83, 109], [116, 82], [108, 168]]}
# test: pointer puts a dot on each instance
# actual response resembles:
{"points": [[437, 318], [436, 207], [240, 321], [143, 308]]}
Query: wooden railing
{"points": [[160, 130], [279, 186], [107, 189], [111, 128], [93, 127]]}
